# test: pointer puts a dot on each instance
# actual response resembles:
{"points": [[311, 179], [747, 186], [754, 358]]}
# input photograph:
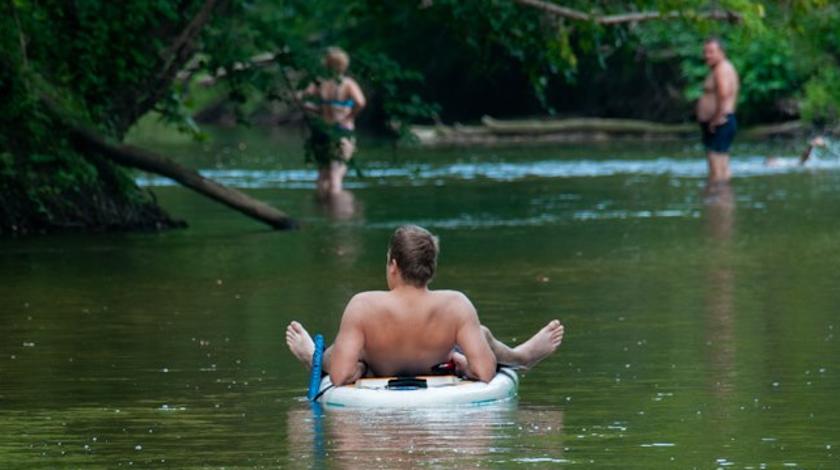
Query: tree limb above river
{"points": [[134, 157], [634, 17]]}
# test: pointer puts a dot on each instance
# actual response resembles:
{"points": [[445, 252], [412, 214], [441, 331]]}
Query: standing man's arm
{"points": [[724, 90], [345, 364], [481, 363]]}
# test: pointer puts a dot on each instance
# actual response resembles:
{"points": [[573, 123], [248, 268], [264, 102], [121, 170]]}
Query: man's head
{"points": [[413, 251], [336, 60], [713, 51]]}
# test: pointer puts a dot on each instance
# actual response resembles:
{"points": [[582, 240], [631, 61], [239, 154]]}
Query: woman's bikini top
{"points": [[335, 102]]}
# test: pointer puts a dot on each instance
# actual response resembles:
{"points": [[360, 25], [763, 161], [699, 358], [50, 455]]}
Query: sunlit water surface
{"points": [[701, 330]]}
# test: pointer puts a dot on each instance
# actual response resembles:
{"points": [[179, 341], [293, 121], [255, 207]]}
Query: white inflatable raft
{"points": [[419, 392]]}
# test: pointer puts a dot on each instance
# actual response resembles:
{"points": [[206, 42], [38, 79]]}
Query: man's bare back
{"points": [[409, 329]]}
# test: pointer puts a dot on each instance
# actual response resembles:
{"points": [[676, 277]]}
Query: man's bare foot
{"points": [[300, 343], [541, 345]]}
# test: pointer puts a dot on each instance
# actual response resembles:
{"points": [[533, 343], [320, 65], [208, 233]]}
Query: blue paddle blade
{"points": [[315, 375]]}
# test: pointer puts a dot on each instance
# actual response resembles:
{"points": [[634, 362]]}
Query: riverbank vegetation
{"points": [[101, 66]]}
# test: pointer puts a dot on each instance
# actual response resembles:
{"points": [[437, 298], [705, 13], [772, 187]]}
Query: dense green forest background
{"points": [[76, 74]]}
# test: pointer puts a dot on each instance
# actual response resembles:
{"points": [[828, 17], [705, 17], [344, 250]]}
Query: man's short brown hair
{"points": [[415, 251], [715, 40]]}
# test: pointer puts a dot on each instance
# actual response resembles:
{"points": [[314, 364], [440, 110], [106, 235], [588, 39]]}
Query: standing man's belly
{"points": [[706, 107]]}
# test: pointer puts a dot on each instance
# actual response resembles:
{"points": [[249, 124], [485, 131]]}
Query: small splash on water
{"points": [[539, 460]]}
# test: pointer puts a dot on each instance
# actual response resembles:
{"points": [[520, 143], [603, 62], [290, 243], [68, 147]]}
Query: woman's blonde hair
{"points": [[336, 60]]}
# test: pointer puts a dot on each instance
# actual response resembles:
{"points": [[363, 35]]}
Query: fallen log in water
{"points": [[784, 129], [494, 131], [127, 155], [610, 126]]}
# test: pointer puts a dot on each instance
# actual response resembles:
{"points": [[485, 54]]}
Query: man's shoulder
{"points": [[453, 299], [728, 67], [369, 296], [364, 303], [449, 293]]}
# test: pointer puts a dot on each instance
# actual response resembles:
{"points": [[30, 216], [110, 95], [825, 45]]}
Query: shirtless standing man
{"points": [[716, 110], [409, 329]]}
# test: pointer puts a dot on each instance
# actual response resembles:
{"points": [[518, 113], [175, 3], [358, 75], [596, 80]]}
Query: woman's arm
{"points": [[307, 97], [359, 101]]}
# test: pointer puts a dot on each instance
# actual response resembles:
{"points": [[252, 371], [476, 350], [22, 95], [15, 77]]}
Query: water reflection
{"points": [[447, 437], [719, 214], [341, 205], [344, 244]]}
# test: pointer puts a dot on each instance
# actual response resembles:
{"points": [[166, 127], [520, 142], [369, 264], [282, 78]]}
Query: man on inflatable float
{"points": [[410, 330]]}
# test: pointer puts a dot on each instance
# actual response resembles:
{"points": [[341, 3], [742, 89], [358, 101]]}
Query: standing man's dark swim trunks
{"points": [[720, 139]]}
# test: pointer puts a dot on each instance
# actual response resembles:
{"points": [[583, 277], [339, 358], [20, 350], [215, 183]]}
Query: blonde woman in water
{"points": [[332, 104]]}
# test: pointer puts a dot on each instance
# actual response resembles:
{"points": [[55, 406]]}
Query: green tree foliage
{"points": [[106, 64]]}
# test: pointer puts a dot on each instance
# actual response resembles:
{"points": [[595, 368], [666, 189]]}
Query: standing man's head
{"points": [[336, 60], [412, 256], [713, 51]]}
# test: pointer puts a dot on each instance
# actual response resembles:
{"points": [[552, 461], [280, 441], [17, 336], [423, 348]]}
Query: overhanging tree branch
{"points": [[134, 157], [635, 17], [127, 155]]}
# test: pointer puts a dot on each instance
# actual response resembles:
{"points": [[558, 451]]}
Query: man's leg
{"points": [[523, 356], [718, 167], [529, 353]]}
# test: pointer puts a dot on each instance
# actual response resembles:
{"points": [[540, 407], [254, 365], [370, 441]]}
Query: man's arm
{"points": [[345, 366], [724, 89], [481, 363]]}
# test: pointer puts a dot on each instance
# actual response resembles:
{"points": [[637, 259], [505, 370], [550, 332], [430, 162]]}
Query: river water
{"points": [[701, 331]]}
